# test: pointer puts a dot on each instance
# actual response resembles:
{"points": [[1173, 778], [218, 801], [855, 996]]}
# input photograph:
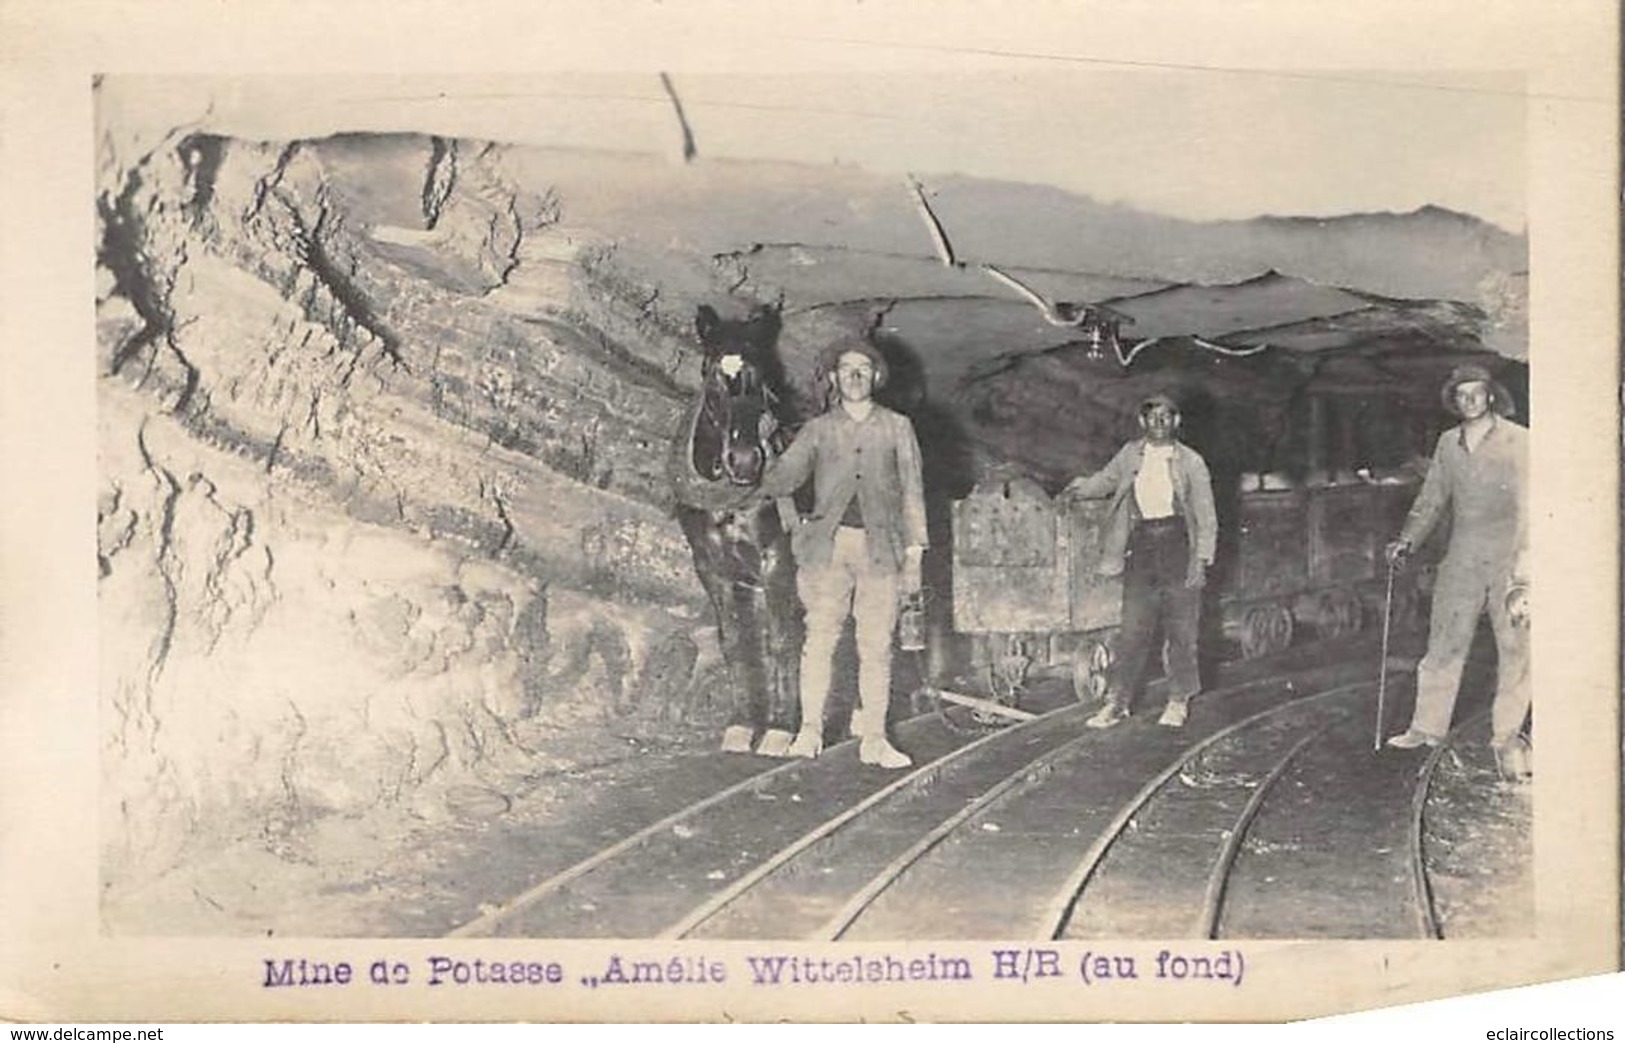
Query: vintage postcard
{"points": [[870, 512]]}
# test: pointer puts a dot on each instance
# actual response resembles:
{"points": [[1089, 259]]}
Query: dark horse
{"points": [[742, 554]]}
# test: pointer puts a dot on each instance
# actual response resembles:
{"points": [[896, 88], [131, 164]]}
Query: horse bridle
{"points": [[751, 385]]}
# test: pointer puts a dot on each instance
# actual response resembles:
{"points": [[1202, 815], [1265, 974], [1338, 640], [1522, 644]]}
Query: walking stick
{"points": [[1382, 671]]}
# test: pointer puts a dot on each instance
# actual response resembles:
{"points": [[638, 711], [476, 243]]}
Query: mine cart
{"points": [[1294, 564]]}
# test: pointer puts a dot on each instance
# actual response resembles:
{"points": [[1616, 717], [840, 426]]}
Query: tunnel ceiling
{"points": [[844, 239], [1362, 303]]}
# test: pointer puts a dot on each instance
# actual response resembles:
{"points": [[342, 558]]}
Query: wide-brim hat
{"points": [[831, 356], [1159, 398], [1500, 397]]}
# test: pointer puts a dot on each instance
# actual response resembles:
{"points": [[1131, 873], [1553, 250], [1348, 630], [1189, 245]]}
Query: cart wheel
{"points": [[1266, 629], [1007, 673], [1007, 680], [1091, 667], [1341, 613]]}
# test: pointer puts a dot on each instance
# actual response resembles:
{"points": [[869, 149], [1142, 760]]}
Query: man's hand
{"points": [[911, 578], [1518, 604], [1196, 575], [1072, 492], [743, 498], [1395, 551]]}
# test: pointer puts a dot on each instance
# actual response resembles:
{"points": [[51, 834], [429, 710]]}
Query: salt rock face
{"points": [[379, 519]]}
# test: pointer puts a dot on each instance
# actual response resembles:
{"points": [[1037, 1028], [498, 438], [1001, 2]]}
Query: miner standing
{"points": [[1477, 476], [859, 551], [1159, 535]]}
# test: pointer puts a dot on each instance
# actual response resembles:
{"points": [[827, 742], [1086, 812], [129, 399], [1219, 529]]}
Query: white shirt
{"points": [[1154, 485]]}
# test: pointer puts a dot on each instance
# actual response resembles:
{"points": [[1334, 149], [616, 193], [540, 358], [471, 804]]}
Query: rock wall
{"points": [[382, 514]]}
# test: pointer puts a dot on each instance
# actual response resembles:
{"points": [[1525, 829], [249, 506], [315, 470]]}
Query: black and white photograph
{"points": [[938, 528]]}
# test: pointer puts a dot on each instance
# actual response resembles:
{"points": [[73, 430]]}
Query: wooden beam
{"points": [[985, 705]]}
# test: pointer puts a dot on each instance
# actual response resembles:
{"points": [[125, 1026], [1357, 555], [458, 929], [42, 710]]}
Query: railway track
{"points": [[1230, 827], [1479, 868], [1017, 808], [654, 875], [1292, 827], [1050, 836]]}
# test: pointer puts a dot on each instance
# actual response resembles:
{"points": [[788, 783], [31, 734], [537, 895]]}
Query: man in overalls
{"points": [[1477, 474]]}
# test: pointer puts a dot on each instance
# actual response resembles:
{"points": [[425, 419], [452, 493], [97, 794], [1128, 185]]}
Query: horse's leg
{"points": [[738, 628], [705, 539], [758, 559], [782, 649], [756, 664], [752, 664]]}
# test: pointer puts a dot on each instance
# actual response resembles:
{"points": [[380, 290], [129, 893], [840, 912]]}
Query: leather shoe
{"points": [[808, 744], [1410, 739], [1512, 760], [1107, 716], [879, 752]]}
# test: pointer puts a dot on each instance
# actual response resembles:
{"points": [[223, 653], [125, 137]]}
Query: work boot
{"points": [[1174, 714], [808, 744], [1108, 715], [1512, 759], [876, 750], [1410, 739], [775, 743], [737, 739]]}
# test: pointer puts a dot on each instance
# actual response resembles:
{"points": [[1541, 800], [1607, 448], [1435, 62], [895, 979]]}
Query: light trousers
{"points": [[850, 585], [1465, 589]]}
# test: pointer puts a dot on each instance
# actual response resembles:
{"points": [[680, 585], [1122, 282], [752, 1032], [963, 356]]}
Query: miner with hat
{"points": [[1159, 535], [1476, 477], [859, 551]]}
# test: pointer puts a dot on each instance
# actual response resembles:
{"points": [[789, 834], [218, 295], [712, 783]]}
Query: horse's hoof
{"points": [[775, 743], [736, 739], [807, 744]]}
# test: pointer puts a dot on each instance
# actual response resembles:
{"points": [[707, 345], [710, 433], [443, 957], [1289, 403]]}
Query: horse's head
{"points": [[736, 432]]}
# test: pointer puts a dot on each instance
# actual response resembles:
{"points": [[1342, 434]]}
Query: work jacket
{"points": [[1193, 499], [876, 459], [1484, 493]]}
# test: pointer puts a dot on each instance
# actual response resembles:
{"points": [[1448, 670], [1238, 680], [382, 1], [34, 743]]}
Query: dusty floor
{"points": [[390, 875], [1477, 851]]}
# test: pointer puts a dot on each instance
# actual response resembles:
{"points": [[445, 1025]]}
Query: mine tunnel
{"points": [[386, 537]]}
